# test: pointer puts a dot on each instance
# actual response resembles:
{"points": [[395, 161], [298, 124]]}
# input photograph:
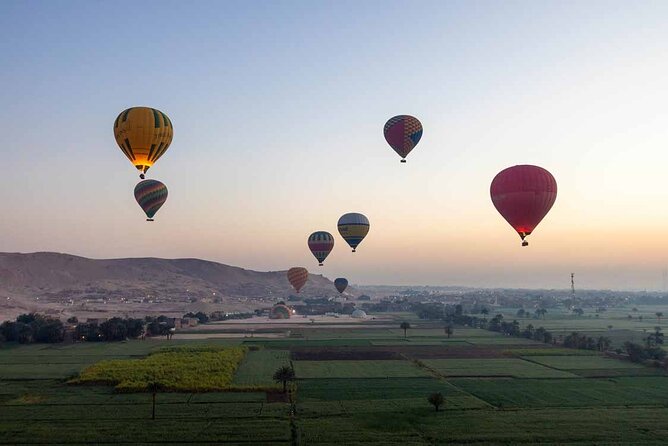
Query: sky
{"points": [[278, 109]]}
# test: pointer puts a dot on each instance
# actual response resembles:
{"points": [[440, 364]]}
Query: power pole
{"points": [[573, 284]]}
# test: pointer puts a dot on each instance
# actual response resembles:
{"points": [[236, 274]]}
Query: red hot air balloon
{"points": [[523, 195], [402, 133], [297, 277], [321, 244]]}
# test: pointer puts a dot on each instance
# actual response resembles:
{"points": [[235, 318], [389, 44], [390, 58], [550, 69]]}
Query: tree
{"points": [[659, 315], [154, 387], [609, 327], [603, 343], [484, 311], [540, 312], [634, 309], [405, 326], [73, 320], [449, 331], [521, 312], [284, 375], [578, 311], [436, 399]]}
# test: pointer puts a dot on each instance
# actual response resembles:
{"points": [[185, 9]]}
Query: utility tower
{"points": [[573, 284]]}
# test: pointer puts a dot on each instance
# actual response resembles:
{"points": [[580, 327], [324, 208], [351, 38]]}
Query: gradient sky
{"points": [[278, 109]]}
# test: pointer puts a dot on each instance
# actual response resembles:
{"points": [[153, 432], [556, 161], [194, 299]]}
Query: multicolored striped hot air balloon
{"points": [[523, 195], [151, 195], [144, 135], [321, 244], [402, 133], [297, 276], [353, 227], [341, 284]]}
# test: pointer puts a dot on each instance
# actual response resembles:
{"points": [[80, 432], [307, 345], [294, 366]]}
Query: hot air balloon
{"points": [[341, 284], [402, 133], [151, 195], [321, 243], [523, 195], [353, 227], [297, 277], [143, 134]]}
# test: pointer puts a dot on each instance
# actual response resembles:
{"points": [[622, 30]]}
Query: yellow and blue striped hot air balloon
{"points": [[353, 227], [144, 135], [151, 195]]}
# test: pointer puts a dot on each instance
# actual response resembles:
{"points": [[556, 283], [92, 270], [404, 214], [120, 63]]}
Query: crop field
{"points": [[353, 387], [357, 369], [516, 368], [258, 366]]}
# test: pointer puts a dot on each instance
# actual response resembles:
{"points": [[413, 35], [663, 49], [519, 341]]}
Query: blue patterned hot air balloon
{"points": [[341, 284], [151, 195]]}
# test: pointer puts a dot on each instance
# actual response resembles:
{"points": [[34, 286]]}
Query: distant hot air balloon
{"points": [[402, 133], [297, 277], [143, 134], [151, 195], [523, 195], [341, 284], [321, 243], [353, 227]]}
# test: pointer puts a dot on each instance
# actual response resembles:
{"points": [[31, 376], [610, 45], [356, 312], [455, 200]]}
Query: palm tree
{"points": [[154, 387], [603, 343], [659, 315], [283, 375], [449, 331], [436, 399], [405, 326]]}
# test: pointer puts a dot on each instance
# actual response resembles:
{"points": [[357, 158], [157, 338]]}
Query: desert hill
{"points": [[68, 284]]}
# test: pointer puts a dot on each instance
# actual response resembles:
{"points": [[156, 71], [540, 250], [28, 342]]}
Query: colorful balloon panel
{"points": [[280, 311], [402, 133], [523, 195], [353, 227], [151, 195], [144, 135], [321, 244], [297, 277], [341, 284]]}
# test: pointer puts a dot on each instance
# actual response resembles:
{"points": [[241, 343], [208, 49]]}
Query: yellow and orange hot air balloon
{"points": [[144, 135]]}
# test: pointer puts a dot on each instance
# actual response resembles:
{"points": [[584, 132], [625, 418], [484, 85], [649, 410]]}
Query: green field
{"points": [[516, 368], [352, 388], [357, 369]]}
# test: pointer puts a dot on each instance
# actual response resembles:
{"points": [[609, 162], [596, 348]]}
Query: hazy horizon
{"points": [[278, 110]]}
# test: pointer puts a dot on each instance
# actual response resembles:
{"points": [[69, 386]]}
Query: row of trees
{"points": [[33, 327]]}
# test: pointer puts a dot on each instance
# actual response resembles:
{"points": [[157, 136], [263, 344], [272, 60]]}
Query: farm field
{"points": [[348, 386]]}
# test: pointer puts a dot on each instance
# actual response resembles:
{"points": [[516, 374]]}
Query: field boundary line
{"points": [[438, 376]]}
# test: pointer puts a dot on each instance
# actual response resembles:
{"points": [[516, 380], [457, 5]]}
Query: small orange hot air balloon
{"points": [[297, 277]]}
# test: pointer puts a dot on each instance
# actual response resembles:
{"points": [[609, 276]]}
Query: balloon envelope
{"points": [[523, 195], [321, 244], [353, 227], [297, 277], [341, 284], [143, 134], [402, 133], [151, 195]]}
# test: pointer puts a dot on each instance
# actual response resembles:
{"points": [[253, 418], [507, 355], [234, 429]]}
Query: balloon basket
{"points": [[354, 250], [403, 161], [525, 243], [142, 176], [319, 264], [149, 219]]}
